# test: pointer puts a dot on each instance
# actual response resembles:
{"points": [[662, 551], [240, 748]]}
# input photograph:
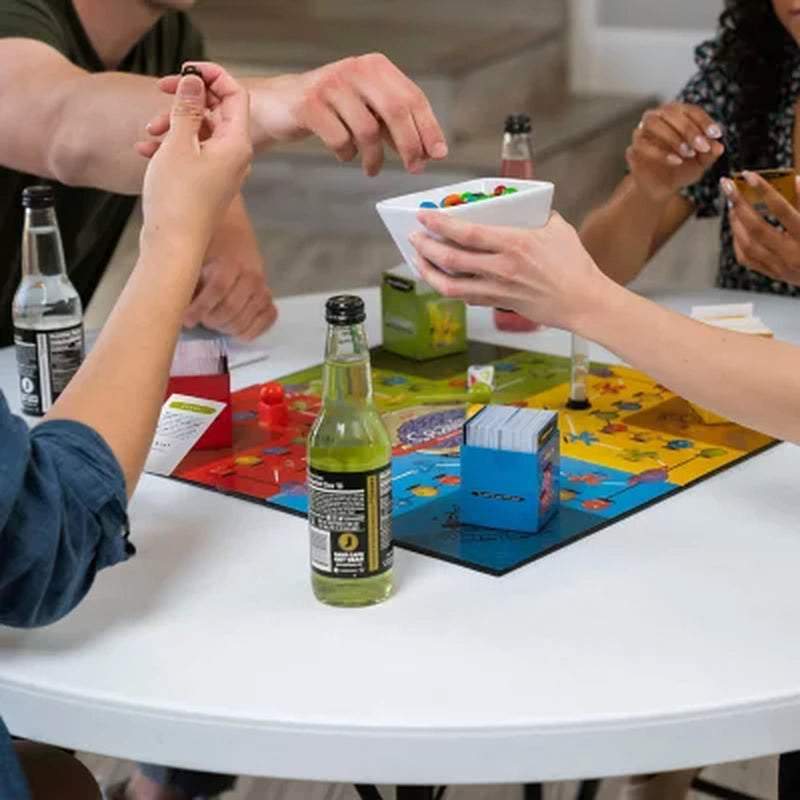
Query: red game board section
{"points": [[269, 453]]}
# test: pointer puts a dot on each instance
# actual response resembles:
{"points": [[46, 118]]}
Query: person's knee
{"points": [[53, 774]]}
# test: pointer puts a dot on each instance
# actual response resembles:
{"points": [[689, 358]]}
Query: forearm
{"points": [[119, 390], [104, 115], [234, 232], [749, 379], [620, 235], [100, 119]]}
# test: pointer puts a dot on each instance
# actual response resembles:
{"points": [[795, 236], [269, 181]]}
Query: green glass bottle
{"points": [[349, 471]]}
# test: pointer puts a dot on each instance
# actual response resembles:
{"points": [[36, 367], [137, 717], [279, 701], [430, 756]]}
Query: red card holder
{"points": [[208, 387]]}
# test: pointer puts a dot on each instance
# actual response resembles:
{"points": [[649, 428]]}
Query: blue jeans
{"points": [[192, 784]]}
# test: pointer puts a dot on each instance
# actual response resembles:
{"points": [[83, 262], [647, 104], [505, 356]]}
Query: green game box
{"points": [[418, 323]]}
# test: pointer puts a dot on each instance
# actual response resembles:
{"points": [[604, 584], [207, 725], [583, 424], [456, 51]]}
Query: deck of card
{"points": [[510, 467], [733, 317], [200, 369]]}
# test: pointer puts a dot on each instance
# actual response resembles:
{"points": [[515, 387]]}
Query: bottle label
{"points": [[350, 521], [46, 362]]}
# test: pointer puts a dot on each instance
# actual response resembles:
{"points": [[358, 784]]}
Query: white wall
{"points": [[637, 46]]}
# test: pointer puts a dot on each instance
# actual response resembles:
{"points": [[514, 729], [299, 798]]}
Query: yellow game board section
{"points": [[636, 425]]}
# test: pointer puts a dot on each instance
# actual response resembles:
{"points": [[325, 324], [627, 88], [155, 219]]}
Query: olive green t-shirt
{"points": [[91, 221]]}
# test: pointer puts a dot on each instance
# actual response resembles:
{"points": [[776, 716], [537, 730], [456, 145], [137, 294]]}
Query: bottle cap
{"points": [[345, 309], [518, 123], [38, 197]]}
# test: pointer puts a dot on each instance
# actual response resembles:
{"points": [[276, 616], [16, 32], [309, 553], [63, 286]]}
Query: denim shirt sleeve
{"points": [[62, 517]]}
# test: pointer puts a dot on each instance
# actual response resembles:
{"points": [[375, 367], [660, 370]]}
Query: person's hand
{"points": [[544, 273], [356, 106], [189, 182], [232, 296], [759, 245], [672, 148]]}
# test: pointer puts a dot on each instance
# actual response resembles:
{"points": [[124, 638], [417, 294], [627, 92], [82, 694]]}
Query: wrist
{"points": [[158, 245], [268, 110], [653, 197], [603, 305]]}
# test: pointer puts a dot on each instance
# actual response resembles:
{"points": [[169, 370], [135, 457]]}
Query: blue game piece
{"points": [[428, 204], [680, 444]]}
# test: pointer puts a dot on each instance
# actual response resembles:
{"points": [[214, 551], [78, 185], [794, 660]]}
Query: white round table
{"points": [[667, 640]]}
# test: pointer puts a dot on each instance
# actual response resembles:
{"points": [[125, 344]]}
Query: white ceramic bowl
{"points": [[528, 207]]}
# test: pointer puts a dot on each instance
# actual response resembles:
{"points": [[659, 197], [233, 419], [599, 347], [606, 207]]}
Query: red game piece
{"points": [[273, 410], [272, 393]]}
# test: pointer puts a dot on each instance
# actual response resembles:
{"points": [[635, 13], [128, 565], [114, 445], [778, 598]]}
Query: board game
{"points": [[637, 444]]}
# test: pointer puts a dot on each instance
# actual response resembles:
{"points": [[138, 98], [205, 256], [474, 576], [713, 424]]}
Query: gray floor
{"points": [[757, 778]]}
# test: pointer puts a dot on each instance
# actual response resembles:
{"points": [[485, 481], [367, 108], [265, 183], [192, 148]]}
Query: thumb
{"points": [[188, 108]]}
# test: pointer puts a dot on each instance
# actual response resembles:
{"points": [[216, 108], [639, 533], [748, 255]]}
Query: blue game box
{"points": [[514, 483]]}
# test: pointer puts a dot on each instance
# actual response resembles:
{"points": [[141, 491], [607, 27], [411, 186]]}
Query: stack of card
{"points": [[510, 473], [200, 370], [510, 428], [733, 317], [199, 353]]}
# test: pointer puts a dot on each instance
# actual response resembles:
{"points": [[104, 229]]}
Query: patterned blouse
{"points": [[713, 91]]}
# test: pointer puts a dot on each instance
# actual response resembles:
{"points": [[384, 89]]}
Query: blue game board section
{"points": [[425, 495], [436, 530], [610, 493], [419, 478]]}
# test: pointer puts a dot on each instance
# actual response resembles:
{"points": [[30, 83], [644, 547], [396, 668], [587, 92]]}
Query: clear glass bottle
{"points": [[349, 471], [517, 155], [46, 310], [517, 162]]}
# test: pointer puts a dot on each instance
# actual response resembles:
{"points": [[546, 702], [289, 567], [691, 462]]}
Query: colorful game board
{"points": [[638, 444]]}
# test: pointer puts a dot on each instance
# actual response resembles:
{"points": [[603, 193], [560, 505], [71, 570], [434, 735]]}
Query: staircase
{"points": [[476, 61]]}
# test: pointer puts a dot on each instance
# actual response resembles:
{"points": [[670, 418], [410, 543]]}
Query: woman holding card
{"points": [[64, 487], [737, 113]]}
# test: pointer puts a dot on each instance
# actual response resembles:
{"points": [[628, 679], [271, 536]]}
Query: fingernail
{"points": [[701, 144], [751, 178], [676, 161], [714, 132], [686, 151], [727, 186], [414, 237], [439, 150], [191, 86]]}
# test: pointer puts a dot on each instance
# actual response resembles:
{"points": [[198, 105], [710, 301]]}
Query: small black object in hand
{"points": [[190, 70]]}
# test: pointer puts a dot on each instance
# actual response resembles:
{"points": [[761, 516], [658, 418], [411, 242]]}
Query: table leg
{"points": [[415, 793], [367, 792], [588, 790]]}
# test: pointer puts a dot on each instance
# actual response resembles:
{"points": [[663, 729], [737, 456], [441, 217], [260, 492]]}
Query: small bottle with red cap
{"points": [[517, 162]]}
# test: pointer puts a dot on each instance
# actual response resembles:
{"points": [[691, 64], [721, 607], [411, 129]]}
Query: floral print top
{"points": [[712, 90]]}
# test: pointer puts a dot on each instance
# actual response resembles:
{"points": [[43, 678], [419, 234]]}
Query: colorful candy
{"points": [[467, 197], [452, 200]]}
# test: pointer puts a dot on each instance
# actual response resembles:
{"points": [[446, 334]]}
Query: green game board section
{"points": [[396, 380]]}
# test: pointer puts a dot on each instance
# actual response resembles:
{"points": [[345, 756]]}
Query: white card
{"points": [[182, 422]]}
